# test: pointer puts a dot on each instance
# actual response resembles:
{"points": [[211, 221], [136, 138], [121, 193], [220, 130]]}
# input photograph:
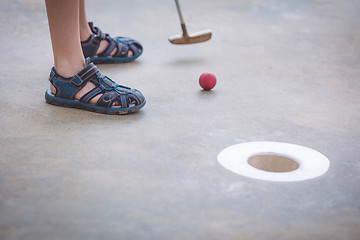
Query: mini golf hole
{"points": [[273, 163]]}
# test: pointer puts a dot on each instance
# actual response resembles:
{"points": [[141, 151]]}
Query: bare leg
{"points": [[63, 19], [85, 31], [64, 27]]}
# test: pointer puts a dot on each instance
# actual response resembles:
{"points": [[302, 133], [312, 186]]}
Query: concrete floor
{"points": [[287, 71]]}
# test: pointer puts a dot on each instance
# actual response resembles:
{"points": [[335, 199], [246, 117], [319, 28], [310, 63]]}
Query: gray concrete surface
{"points": [[287, 71]]}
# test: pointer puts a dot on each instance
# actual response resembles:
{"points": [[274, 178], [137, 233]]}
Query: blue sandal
{"points": [[127, 100], [122, 45]]}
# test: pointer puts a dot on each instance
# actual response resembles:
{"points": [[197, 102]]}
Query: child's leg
{"points": [[64, 27], [63, 19], [76, 83], [85, 31]]}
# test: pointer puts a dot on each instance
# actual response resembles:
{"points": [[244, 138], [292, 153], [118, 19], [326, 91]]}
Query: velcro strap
{"points": [[77, 81], [85, 74]]}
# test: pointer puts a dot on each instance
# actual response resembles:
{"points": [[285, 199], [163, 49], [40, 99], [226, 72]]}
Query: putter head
{"points": [[195, 38]]}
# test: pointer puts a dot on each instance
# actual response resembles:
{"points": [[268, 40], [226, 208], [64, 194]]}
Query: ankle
{"points": [[85, 32], [68, 69]]}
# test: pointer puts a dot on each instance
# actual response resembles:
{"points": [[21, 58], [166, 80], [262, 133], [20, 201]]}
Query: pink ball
{"points": [[207, 81]]}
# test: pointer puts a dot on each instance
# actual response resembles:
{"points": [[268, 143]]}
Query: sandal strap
{"points": [[102, 84], [68, 87], [113, 92], [122, 50], [92, 44], [110, 47], [85, 74], [134, 45], [90, 95], [99, 34], [108, 98]]}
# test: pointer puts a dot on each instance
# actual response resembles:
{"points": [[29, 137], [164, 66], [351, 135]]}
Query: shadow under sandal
{"points": [[121, 44], [127, 100]]}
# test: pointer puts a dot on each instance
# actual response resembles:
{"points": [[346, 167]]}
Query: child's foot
{"points": [[101, 48], [89, 90], [104, 44]]}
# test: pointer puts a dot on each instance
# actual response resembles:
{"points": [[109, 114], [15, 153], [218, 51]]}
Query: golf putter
{"points": [[185, 38]]}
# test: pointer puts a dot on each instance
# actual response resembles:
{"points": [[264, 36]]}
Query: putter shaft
{"points": [[183, 27]]}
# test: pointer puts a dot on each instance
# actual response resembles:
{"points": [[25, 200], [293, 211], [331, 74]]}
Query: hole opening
{"points": [[273, 163]]}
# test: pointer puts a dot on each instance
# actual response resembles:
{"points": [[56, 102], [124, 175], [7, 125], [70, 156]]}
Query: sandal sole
{"points": [[51, 99]]}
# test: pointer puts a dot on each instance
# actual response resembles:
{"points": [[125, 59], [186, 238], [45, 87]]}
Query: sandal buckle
{"points": [[97, 40]]}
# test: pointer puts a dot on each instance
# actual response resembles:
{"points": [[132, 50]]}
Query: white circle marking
{"points": [[311, 163]]}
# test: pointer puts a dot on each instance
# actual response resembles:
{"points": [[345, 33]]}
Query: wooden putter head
{"points": [[185, 38]]}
